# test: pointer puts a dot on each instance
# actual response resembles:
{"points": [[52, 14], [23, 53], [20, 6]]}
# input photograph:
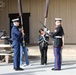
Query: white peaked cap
{"points": [[15, 20], [58, 19]]}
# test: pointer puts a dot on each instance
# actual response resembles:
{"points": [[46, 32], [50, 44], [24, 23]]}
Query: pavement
{"points": [[68, 63]]}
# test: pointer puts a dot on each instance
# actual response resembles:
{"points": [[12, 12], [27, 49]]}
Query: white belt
{"points": [[58, 37]]}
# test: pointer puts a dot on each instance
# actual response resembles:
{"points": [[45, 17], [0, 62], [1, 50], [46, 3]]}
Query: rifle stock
{"points": [[46, 9], [46, 12], [20, 12]]}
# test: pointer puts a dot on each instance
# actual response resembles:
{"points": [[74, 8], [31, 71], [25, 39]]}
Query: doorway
{"points": [[25, 23]]}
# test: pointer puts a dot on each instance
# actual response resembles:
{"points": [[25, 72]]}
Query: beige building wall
{"points": [[66, 9]]}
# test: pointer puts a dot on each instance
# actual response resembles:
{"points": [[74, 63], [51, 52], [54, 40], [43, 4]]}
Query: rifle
{"points": [[45, 15], [20, 14]]}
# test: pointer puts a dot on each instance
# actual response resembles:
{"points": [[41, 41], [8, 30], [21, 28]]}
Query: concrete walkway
{"points": [[68, 68], [68, 63]]}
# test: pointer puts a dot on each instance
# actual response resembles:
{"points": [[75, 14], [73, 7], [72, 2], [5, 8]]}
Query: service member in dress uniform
{"points": [[16, 36], [58, 36], [43, 45]]}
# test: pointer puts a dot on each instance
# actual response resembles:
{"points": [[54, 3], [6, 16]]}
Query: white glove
{"points": [[45, 29], [48, 31]]}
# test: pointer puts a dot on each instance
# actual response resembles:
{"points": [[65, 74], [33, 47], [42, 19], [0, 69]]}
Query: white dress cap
{"points": [[15, 20], [58, 19]]}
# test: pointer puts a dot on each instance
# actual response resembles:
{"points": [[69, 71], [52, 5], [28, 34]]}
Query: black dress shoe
{"points": [[19, 69], [45, 63], [42, 63], [55, 69]]}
